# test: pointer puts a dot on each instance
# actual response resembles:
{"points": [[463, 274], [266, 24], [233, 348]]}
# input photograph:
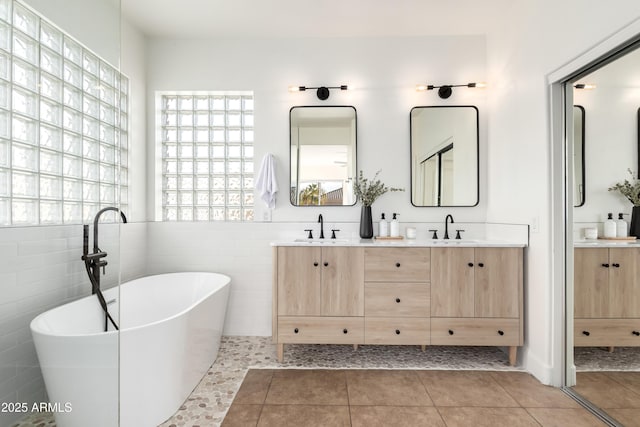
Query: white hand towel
{"points": [[266, 183]]}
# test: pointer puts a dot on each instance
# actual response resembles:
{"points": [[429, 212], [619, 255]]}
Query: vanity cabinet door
{"points": [[498, 278], [299, 279], [624, 285], [591, 283], [342, 286], [452, 271]]}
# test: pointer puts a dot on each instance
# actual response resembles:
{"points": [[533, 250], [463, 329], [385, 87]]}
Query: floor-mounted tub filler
{"points": [[170, 330]]}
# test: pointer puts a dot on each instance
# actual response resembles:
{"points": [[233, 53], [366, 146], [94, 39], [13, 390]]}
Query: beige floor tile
{"points": [[304, 416], [242, 415], [465, 388], [626, 417], [395, 416], [530, 393], [308, 387], [630, 380], [604, 392], [487, 417], [254, 387], [386, 387], [564, 417]]}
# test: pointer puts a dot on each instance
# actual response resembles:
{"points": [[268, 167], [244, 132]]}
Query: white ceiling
{"points": [[310, 18]]}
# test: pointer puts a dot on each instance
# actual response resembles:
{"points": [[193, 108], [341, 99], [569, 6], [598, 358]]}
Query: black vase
{"points": [[366, 223], [634, 227]]}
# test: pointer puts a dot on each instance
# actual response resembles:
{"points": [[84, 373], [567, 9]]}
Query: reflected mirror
{"points": [[444, 156], [323, 155], [578, 155]]}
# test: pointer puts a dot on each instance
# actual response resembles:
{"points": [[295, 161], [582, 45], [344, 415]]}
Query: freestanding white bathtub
{"points": [[170, 330]]}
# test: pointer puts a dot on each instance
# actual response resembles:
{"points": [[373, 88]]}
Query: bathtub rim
{"points": [[35, 330]]}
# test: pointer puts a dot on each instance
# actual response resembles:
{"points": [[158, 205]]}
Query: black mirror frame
{"points": [[355, 114], [584, 176], [477, 156]]}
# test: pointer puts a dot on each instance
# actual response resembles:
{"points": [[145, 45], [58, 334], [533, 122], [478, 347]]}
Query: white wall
{"points": [[534, 39]]}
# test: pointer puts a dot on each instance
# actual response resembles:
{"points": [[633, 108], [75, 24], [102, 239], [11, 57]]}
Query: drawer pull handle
{"points": [[398, 264], [586, 333], [605, 265], [326, 264], [295, 330], [616, 265], [480, 264], [450, 332], [470, 264], [397, 299], [500, 332], [636, 333], [344, 331], [397, 331], [315, 264]]}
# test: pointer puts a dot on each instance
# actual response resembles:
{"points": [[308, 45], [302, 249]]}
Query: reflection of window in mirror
{"points": [[444, 156], [578, 156], [323, 155]]}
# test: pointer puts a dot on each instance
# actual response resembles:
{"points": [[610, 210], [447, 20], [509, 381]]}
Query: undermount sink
{"points": [[455, 241], [321, 241]]}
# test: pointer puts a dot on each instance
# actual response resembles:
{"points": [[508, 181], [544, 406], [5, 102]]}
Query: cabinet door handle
{"points": [[397, 299], [605, 265], [315, 264], [397, 331], [326, 264], [470, 264], [616, 265], [636, 333], [586, 333], [500, 332], [344, 331], [450, 332], [295, 330], [398, 264], [480, 264]]}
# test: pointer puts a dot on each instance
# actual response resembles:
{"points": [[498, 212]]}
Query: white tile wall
{"points": [[40, 268]]}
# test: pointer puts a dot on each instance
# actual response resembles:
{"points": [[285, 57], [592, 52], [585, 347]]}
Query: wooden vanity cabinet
{"points": [[318, 295], [398, 295], [607, 296], [477, 297]]}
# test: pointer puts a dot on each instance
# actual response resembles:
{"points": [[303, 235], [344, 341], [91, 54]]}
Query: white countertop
{"points": [[428, 243], [604, 243]]}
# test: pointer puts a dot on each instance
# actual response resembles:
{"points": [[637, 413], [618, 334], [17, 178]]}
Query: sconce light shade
{"points": [[322, 92], [586, 86], [445, 91]]}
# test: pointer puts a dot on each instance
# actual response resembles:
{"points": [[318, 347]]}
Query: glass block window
{"points": [[207, 156], [63, 124]]}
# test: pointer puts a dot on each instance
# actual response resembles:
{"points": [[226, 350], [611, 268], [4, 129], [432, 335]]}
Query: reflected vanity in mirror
{"points": [[578, 156], [323, 155], [444, 156]]}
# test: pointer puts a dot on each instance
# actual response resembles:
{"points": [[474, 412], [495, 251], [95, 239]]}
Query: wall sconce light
{"points": [[322, 91], [445, 91], [586, 86]]}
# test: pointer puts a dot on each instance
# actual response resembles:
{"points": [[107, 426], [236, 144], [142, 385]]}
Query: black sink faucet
{"points": [[321, 221], [446, 226]]}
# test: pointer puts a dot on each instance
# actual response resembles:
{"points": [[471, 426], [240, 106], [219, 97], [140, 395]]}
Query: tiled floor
{"points": [[374, 397], [616, 393]]}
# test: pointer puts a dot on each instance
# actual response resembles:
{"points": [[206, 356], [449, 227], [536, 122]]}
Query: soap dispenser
{"points": [[621, 227], [609, 227], [383, 228], [394, 227]]}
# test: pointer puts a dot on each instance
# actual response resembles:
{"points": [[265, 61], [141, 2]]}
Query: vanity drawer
{"points": [[321, 330], [396, 299], [397, 264], [396, 330], [474, 331], [606, 332]]}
